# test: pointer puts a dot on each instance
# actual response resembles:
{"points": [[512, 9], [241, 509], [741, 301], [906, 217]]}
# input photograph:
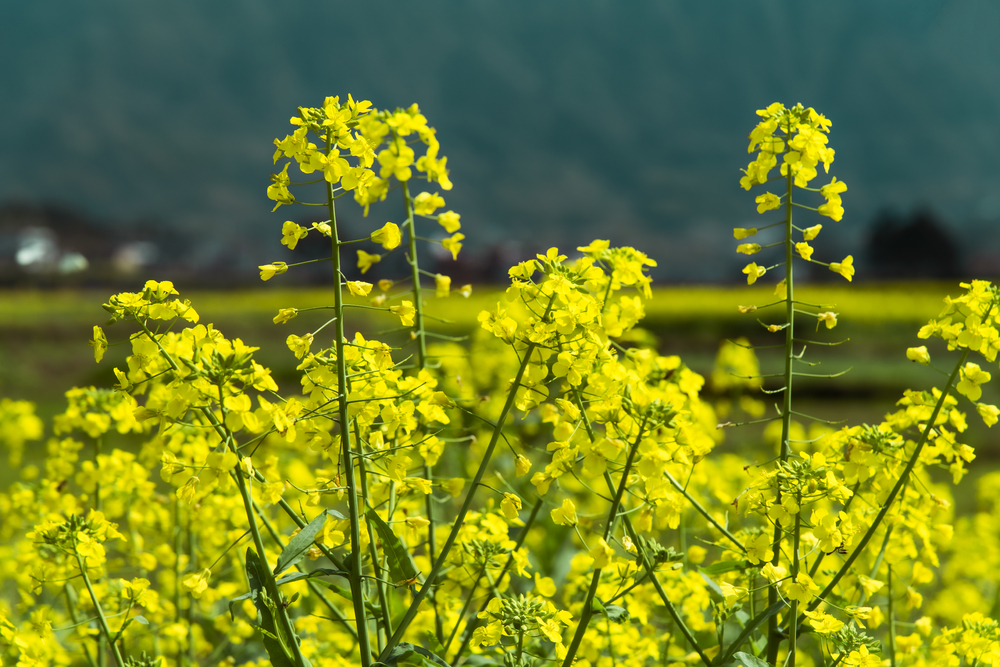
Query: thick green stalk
{"points": [[355, 573], [786, 414], [102, 621], [314, 588], [281, 613], [418, 304]]}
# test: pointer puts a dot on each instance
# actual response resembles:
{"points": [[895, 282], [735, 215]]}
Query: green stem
{"points": [[466, 505], [431, 551], [313, 586], [891, 498], [373, 552], [786, 414], [102, 621], [474, 622], [793, 613], [588, 609], [418, 303], [70, 595], [634, 536], [281, 612], [355, 572], [704, 512]]}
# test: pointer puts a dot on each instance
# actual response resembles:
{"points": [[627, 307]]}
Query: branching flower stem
{"points": [[891, 498], [355, 572], [102, 621], [786, 413], [467, 504]]}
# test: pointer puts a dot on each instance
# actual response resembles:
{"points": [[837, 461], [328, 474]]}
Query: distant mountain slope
{"points": [[563, 120]]}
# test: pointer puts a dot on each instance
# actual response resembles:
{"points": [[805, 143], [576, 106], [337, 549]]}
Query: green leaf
{"points": [[432, 643], [751, 626], [303, 540], [401, 565], [258, 575], [140, 619], [617, 614], [750, 660], [725, 566], [404, 650]]}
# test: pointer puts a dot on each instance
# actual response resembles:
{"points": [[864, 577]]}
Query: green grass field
{"points": [[44, 351]]}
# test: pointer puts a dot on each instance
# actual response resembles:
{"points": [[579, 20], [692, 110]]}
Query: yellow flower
{"points": [[268, 271], [748, 248], [861, 658], [774, 573], [442, 284], [453, 486], [450, 221], [972, 377], [292, 233], [801, 588], [465, 290], [767, 202], [100, 344], [453, 244], [405, 312], [299, 344], [366, 260], [388, 236], [746, 309], [197, 584], [918, 354], [565, 515], [545, 586], [822, 623], [759, 549], [359, 288], [989, 413], [741, 233], [828, 318], [521, 465], [753, 272], [845, 268], [602, 553], [805, 250], [426, 203], [510, 506], [809, 233], [285, 314]]}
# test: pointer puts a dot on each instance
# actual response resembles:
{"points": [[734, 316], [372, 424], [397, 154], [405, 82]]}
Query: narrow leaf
{"points": [[401, 565], [300, 544], [321, 572]]}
